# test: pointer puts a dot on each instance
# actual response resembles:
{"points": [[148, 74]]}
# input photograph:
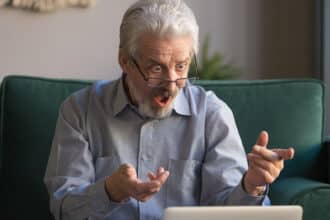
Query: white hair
{"points": [[165, 18]]}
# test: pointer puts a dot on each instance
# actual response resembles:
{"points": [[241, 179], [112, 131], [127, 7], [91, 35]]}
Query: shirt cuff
{"points": [[247, 199], [100, 201]]}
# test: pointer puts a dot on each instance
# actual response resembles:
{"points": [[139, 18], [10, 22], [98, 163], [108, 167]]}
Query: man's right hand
{"points": [[124, 184]]}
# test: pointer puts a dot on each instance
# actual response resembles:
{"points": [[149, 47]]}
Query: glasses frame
{"points": [[164, 82]]}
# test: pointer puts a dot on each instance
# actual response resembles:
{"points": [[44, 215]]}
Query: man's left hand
{"points": [[265, 165]]}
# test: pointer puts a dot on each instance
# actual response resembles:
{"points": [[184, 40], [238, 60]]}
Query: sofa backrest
{"points": [[291, 110]]}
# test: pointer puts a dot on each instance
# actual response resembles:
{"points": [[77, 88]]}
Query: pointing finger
{"points": [[273, 154], [285, 154], [265, 153]]}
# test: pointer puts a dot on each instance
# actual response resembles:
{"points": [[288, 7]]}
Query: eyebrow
{"points": [[151, 60]]}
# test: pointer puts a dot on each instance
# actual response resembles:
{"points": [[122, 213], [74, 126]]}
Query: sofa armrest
{"points": [[327, 149], [286, 190], [312, 195]]}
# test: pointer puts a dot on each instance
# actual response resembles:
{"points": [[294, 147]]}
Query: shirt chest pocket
{"points": [[184, 183], [105, 166]]}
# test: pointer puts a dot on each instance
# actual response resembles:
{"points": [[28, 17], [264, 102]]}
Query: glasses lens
{"points": [[156, 82]]}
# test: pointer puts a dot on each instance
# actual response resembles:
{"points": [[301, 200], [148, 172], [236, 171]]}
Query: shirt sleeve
{"points": [[225, 159], [70, 176]]}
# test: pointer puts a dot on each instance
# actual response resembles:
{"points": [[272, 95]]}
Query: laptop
{"points": [[234, 213]]}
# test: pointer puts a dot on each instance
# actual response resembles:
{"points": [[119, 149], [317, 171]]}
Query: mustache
{"points": [[165, 92]]}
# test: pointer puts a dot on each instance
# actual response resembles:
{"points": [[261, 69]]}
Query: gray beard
{"points": [[146, 111], [144, 106]]}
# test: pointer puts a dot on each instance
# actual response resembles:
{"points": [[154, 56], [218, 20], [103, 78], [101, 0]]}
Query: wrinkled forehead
{"points": [[174, 47]]}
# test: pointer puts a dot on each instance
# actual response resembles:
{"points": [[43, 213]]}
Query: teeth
{"points": [[166, 94]]}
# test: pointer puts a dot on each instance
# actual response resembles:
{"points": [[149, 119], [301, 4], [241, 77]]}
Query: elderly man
{"points": [[129, 148]]}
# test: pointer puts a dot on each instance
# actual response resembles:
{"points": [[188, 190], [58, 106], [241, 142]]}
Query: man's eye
{"points": [[156, 69], [181, 66]]}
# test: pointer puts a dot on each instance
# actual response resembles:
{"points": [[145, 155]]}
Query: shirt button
{"points": [[144, 157]]}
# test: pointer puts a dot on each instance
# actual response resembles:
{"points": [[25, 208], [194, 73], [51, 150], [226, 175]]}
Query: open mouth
{"points": [[161, 100]]}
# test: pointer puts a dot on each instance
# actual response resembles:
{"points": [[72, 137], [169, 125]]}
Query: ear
{"points": [[123, 60]]}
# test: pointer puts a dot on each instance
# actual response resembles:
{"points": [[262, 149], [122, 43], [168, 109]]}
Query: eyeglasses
{"points": [[155, 82]]}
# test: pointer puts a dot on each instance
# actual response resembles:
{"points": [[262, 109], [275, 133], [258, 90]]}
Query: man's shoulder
{"points": [[97, 91], [207, 104], [207, 98], [97, 88], [102, 87]]}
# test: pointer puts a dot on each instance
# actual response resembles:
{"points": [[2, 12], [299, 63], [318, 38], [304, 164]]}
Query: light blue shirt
{"points": [[98, 130]]}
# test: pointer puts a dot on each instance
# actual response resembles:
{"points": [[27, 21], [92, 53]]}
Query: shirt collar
{"points": [[180, 106]]}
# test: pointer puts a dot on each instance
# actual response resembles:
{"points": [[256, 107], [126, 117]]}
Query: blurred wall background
{"points": [[265, 38]]}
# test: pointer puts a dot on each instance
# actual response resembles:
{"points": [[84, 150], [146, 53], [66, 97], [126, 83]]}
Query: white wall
{"points": [[266, 38]]}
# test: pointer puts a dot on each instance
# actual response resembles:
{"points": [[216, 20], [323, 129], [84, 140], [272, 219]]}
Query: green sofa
{"points": [[292, 111]]}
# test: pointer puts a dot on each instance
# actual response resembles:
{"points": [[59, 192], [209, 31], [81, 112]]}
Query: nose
{"points": [[172, 85]]}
